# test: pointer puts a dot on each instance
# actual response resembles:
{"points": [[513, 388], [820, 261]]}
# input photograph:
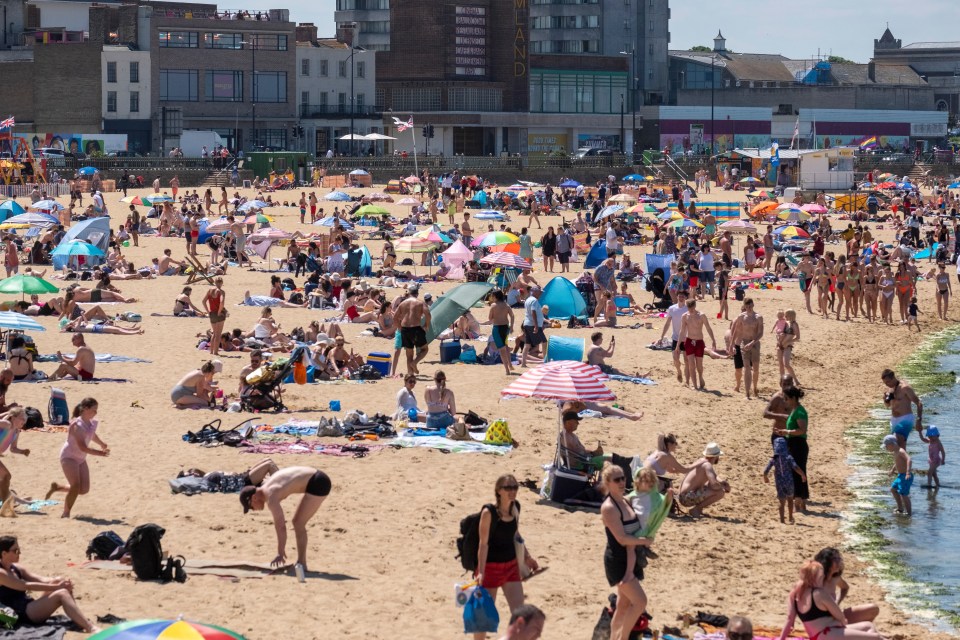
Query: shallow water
{"points": [[914, 558]]}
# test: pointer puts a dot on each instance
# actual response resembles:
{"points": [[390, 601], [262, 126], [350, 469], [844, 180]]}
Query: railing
{"points": [[139, 163], [262, 15], [339, 111], [676, 168], [52, 190]]}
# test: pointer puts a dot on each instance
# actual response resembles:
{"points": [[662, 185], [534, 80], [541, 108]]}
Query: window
{"points": [[323, 100], [568, 22], [134, 102], [342, 69], [224, 86], [270, 86], [111, 72], [323, 69], [304, 97], [362, 5], [342, 102], [179, 39], [179, 85], [134, 72], [111, 101], [361, 69], [269, 41], [653, 26], [272, 138], [360, 101], [571, 92], [223, 40], [305, 67], [380, 26]]}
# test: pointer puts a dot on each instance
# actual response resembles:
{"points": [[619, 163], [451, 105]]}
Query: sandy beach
{"points": [[383, 544]]}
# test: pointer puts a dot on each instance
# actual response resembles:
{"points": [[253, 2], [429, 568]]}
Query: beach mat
{"points": [[225, 569], [45, 632]]}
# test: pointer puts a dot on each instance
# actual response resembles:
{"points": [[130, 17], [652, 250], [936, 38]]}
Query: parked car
{"points": [[591, 152]]}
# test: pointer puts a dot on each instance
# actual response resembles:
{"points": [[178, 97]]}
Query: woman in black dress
{"points": [[549, 245], [621, 559]]}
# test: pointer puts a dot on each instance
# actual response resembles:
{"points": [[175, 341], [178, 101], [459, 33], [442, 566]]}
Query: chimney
{"points": [[346, 33], [719, 43], [306, 32], [872, 71]]}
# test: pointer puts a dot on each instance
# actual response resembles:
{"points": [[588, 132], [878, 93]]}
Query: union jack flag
{"points": [[403, 126], [9, 122]]}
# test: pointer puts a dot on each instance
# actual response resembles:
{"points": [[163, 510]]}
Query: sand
{"points": [[383, 543]]}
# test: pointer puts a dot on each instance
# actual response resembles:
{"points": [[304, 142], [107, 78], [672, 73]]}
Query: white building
{"points": [[330, 98], [125, 83], [70, 15]]}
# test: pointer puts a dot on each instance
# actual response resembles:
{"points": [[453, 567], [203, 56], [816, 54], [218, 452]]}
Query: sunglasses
{"points": [[511, 487], [619, 479]]}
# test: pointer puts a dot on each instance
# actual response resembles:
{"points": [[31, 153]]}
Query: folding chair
{"points": [[199, 273]]}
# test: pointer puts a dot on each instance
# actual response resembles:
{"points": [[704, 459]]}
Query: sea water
{"points": [[916, 559]]}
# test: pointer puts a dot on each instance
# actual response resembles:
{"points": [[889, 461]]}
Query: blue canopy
{"points": [[569, 184], [480, 198], [660, 261], [598, 253], [96, 231], [563, 298]]}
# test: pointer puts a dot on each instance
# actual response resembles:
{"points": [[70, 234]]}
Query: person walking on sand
{"points": [[11, 423], [674, 320], [903, 470], [413, 318], [214, 303], [692, 325], [747, 332], [899, 400], [315, 487], [501, 317], [73, 455]]}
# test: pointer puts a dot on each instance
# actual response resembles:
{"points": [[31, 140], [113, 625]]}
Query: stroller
{"points": [[586, 288], [265, 392], [657, 285]]}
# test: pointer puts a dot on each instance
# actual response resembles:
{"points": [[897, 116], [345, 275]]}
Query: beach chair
{"points": [[569, 477], [198, 272]]}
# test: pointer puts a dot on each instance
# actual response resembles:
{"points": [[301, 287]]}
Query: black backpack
{"points": [[106, 545], [34, 418], [145, 551], [296, 298], [468, 544], [368, 372]]}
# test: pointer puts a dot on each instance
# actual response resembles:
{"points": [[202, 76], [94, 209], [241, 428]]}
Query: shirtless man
{"points": [[527, 279], [674, 319], [898, 400], [501, 317], [81, 366], [315, 487], [413, 318], [256, 359], [236, 230], [777, 408], [768, 247], [692, 325], [726, 248], [701, 487], [805, 273], [466, 229], [747, 333], [597, 355], [168, 266]]}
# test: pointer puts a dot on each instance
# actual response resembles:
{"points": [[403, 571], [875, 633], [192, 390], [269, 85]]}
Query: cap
{"points": [[535, 289], [427, 296], [889, 440], [933, 432], [217, 365], [413, 286], [712, 451], [246, 495]]}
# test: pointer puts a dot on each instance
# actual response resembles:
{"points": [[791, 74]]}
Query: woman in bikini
{"points": [[441, 403], [904, 284], [822, 276], [196, 388], [214, 303], [887, 284], [785, 341], [183, 306], [821, 617], [944, 290], [832, 562], [852, 290], [840, 284]]}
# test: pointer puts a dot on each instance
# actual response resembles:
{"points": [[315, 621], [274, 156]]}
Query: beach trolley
{"points": [[265, 384]]}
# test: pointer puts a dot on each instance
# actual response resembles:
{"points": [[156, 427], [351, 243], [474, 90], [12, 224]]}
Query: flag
{"points": [[775, 155], [869, 143], [403, 126], [796, 132], [7, 124]]}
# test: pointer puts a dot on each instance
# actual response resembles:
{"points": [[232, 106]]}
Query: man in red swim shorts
{"points": [[692, 325], [81, 366]]}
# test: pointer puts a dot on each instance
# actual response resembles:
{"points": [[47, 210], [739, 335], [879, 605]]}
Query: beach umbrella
{"points": [[786, 206], [359, 172], [791, 231], [764, 208], [434, 235], [569, 184], [331, 221], [45, 205], [494, 238], [155, 198], [27, 284], [887, 185], [738, 226], [77, 248], [489, 214], [952, 185], [513, 247], [218, 226], [257, 218], [685, 223], [371, 210], [19, 322], [86, 171], [453, 304], [814, 208], [637, 209], [377, 197], [758, 194], [413, 245], [794, 215], [337, 196], [134, 200], [11, 208], [609, 210], [884, 176], [623, 197], [561, 380], [409, 201], [504, 259], [634, 177], [906, 186], [251, 205], [670, 215], [270, 233], [166, 630], [412, 180], [30, 219], [749, 180], [867, 185]]}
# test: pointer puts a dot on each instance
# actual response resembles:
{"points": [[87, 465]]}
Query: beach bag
{"points": [[468, 544], [468, 355], [106, 545], [473, 420], [480, 613], [58, 412], [209, 432], [132, 316], [368, 372], [8, 618], [296, 298], [299, 372], [498, 433], [34, 418], [146, 554]]}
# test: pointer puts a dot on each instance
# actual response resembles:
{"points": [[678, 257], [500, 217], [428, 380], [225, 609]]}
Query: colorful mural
{"points": [[87, 143]]}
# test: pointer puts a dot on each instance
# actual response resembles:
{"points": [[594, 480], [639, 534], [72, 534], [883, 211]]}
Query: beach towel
{"points": [[620, 378], [225, 569], [659, 508], [475, 445], [101, 357], [54, 631]]}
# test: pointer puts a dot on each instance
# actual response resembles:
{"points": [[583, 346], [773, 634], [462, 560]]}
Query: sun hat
{"points": [[933, 432], [217, 365], [712, 451]]}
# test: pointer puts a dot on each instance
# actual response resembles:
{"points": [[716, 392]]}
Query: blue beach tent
{"points": [[563, 298], [96, 231], [598, 253]]}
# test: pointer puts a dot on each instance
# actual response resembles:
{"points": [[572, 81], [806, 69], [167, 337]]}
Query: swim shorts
{"points": [[673, 347], [901, 484], [397, 340], [693, 497], [413, 337], [737, 358], [497, 574], [500, 334], [319, 484], [85, 375], [563, 257], [534, 336], [751, 355], [694, 347], [902, 425]]}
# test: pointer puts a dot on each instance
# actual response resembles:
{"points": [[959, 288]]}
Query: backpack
{"points": [[296, 298], [468, 544], [106, 545], [145, 551], [58, 412], [34, 418], [368, 372], [173, 570]]}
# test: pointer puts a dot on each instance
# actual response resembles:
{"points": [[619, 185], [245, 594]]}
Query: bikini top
{"points": [[813, 613]]}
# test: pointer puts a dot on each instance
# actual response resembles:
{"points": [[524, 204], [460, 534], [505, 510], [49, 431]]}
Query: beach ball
{"points": [[126, 243]]}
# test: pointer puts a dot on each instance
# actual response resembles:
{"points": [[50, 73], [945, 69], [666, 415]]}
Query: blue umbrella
{"points": [[32, 218], [19, 322], [329, 221], [610, 210], [77, 248], [253, 204], [634, 177], [87, 171], [905, 186], [489, 214], [952, 185], [337, 196], [569, 184], [10, 208], [46, 205]]}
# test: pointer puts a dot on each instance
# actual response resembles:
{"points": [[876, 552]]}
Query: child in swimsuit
{"points": [[936, 455], [783, 466]]}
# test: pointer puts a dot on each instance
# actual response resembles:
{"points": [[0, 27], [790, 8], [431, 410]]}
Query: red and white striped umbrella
{"points": [[561, 380], [504, 259]]}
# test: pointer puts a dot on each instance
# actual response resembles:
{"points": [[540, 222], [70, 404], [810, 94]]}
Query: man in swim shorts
{"points": [[899, 400], [81, 366], [315, 487], [692, 325], [747, 331], [501, 317], [701, 487], [413, 317], [675, 315]]}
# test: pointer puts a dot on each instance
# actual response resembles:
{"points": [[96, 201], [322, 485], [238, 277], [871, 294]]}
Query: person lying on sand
{"points": [[266, 301], [82, 326], [224, 482], [97, 295]]}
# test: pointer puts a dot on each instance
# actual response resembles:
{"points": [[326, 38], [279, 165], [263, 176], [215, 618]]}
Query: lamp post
{"points": [[353, 51], [713, 88], [253, 90], [621, 123], [633, 98]]}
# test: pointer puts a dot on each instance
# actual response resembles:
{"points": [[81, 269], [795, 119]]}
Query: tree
{"points": [[839, 60], [701, 49]]}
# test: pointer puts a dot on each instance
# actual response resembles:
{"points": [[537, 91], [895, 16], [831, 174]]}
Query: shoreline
{"points": [[865, 512]]}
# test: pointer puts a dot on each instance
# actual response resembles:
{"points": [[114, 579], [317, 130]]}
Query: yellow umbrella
{"points": [[13, 225]]}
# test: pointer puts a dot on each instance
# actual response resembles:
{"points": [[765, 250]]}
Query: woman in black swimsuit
{"points": [[15, 581], [621, 523]]}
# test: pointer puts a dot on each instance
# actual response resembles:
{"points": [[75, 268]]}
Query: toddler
{"points": [[783, 466], [936, 455]]}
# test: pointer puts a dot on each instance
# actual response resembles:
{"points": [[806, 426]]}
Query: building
{"points": [[126, 90], [336, 90], [372, 18], [937, 62]]}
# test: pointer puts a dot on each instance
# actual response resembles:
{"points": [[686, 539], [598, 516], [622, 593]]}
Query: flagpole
{"points": [[413, 136]]}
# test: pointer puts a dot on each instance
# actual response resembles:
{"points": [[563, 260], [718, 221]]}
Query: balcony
{"points": [[337, 111]]}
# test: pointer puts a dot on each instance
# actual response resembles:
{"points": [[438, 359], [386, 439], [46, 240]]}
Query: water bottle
{"points": [[301, 574]]}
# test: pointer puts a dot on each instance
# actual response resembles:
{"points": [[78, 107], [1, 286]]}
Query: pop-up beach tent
{"points": [[96, 231], [598, 253], [455, 256], [563, 299]]}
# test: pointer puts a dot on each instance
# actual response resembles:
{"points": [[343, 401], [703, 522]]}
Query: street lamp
{"points": [[713, 88], [253, 90], [353, 51], [633, 97]]}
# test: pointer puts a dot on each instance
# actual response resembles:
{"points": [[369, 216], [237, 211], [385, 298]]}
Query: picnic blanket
{"points": [[54, 629], [407, 439], [292, 427], [355, 450], [101, 357], [634, 380]]}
